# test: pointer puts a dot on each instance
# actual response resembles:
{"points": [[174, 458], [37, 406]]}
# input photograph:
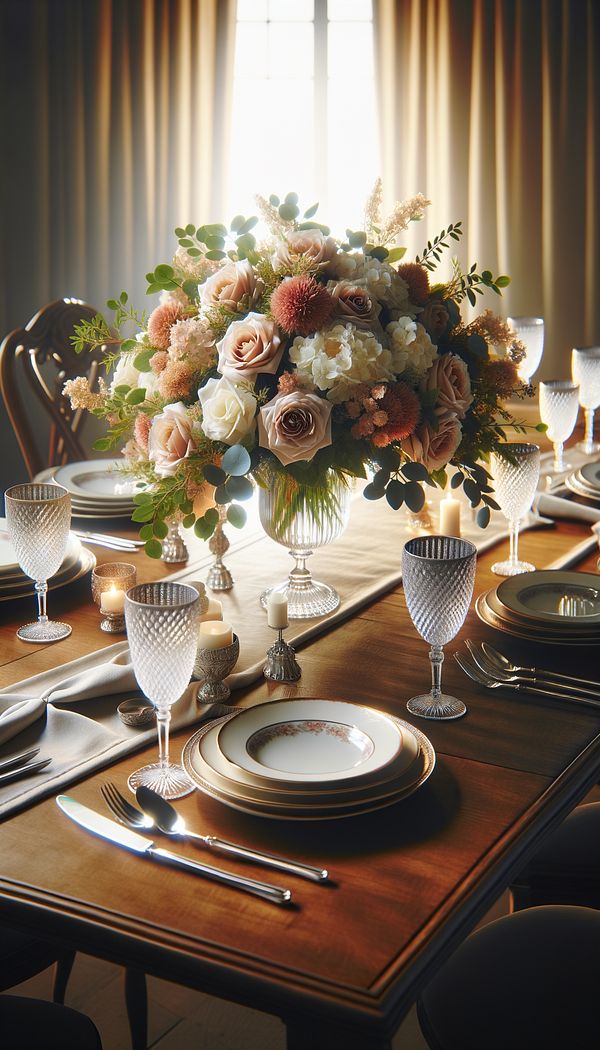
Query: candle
{"points": [[277, 610], [215, 635], [450, 516], [213, 612], [112, 601]]}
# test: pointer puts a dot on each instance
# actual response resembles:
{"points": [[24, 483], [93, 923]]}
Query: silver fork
{"points": [[503, 663], [491, 667], [482, 677], [138, 821]]}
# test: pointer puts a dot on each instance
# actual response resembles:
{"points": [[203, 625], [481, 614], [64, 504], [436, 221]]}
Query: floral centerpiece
{"points": [[304, 355]]}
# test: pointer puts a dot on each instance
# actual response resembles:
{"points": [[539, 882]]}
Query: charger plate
{"points": [[537, 596], [528, 633], [304, 741], [562, 627], [315, 810], [589, 474]]}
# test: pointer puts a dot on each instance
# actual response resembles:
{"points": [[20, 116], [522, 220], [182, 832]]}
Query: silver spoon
{"points": [[169, 821], [503, 663], [482, 677], [491, 669]]}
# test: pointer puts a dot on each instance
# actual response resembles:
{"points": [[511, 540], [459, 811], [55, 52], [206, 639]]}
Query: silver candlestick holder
{"points": [[219, 577], [214, 665], [281, 665]]}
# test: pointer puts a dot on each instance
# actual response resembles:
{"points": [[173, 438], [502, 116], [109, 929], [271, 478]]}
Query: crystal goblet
{"points": [[38, 519], [438, 573], [559, 405], [530, 332], [585, 366], [162, 627], [515, 470]]}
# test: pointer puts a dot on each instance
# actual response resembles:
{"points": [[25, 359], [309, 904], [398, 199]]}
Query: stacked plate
{"points": [[15, 584], [586, 481], [308, 759], [552, 606], [98, 489]]}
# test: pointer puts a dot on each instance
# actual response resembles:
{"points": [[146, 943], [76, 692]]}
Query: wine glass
{"points": [[585, 364], [162, 628], [530, 332], [438, 573], [38, 519], [516, 471], [559, 405]]}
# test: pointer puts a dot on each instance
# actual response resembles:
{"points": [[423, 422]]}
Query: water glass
{"points": [[585, 364], [162, 628], [530, 332], [438, 574], [559, 404], [516, 471], [38, 519]]}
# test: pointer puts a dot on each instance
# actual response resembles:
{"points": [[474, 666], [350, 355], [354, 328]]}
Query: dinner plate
{"points": [[579, 488], [561, 625], [11, 572], [548, 595], [323, 741], [84, 563], [528, 633], [313, 811], [96, 480], [589, 473]]}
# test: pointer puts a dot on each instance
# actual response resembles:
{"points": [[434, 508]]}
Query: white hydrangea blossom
{"points": [[411, 348], [383, 282], [338, 359], [193, 339]]}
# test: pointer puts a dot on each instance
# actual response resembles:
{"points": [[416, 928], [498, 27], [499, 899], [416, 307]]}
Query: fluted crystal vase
{"points": [[294, 516]]}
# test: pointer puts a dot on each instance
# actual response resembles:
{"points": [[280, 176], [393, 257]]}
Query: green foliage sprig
{"points": [[432, 253], [470, 284]]}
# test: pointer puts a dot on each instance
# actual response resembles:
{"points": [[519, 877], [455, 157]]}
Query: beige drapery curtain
{"points": [[492, 109], [115, 127]]}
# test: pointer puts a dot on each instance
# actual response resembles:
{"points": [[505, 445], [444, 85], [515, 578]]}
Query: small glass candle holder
{"points": [[109, 583], [214, 664]]}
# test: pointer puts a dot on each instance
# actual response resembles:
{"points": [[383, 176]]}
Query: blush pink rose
{"points": [[434, 448], [309, 243], [354, 304], [249, 347], [295, 426], [450, 377], [230, 284], [170, 439]]}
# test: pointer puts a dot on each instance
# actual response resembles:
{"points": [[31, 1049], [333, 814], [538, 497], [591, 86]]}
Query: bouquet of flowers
{"points": [[304, 355]]}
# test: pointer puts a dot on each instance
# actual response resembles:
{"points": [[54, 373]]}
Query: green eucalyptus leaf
{"points": [[288, 212], [236, 516], [153, 548], [395, 254], [102, 444], [142, 360], [203, 528], [414, 471], [163, 272], [214, 475], [142, 497], [160, 529], [373, 492], [236, 223], [381, 478], [308, 214], [236, 461], [239, 488], [457, 480], [414, 496], [188, 521], [221, 496], [388, 458], [212, 516], [146, 532], [135, 397], [395, 494], [143, 513], [215, 253], [483, 517], [248, 225], [472, 491]]}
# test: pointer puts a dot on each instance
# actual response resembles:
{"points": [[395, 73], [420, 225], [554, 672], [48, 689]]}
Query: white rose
{"points": [[125, 374], [228, 410]]}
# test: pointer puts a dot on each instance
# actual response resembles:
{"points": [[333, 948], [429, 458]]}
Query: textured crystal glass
{"points": [[290, 517], [530, 332], [559, 404], [438, 573], [585, 366], [38, 519], [162, 628], [516, 471]]}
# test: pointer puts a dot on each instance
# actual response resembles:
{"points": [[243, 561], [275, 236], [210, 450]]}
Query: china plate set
{"points": [[550, 606], [308, 759], [586, 481], [97, 488], [15, 584]]}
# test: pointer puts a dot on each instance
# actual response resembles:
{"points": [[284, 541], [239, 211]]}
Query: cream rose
{"points": [[250, 346], [227, 410], [295, 426], [355, 304], [434, 448], [450, 377], [309, 243], [171, 439], [228, 286], [125, 374]]}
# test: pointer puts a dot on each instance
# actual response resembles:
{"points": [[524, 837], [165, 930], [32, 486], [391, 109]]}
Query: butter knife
{"points": [[18, 760], [122, 836], [24, 771]]}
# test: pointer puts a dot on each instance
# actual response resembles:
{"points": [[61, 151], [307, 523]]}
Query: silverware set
{"points": [[492, 669], [21, 765], [115, 543]]}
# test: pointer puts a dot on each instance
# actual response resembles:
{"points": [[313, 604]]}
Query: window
{"points": [[304, 116]]}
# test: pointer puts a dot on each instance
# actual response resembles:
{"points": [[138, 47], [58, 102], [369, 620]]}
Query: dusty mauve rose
{"points": [[228, 286], [450, 377], [295, 426], [170, 439], [435, 318], [310, 243], [249, 347], [434, 448], [352, 303]]}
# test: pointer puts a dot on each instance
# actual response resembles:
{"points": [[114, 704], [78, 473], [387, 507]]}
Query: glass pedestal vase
{"points": [[300, 519]]}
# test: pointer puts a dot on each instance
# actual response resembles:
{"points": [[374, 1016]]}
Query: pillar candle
{"points": [[214, 635], [112, 601], [277, 610], [450, 516], [213, 612]]}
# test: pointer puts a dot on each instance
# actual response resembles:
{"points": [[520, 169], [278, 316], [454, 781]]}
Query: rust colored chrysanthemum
{"points": [[403, 409], [141, 429], [159, 361], [174, 381], [161, 321], [417, 280], [301, 304]]}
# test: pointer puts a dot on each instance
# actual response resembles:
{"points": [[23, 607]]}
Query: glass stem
{"points": [[163, 718], [300, 577], [41, 589], [436, 656], [514, 541], [588, 446], [558, 457]]}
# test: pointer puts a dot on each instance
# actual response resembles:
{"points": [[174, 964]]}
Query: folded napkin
{"points": [[555, 506], [15, 716], [112, 676]]}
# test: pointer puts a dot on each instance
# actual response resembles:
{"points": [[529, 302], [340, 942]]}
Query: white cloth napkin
{"points": [[555, 506], [17, 716]]}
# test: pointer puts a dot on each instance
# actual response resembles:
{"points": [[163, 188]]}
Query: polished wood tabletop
{"points": [[346, 960]]}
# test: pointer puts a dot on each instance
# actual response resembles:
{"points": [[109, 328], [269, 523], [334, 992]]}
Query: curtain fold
{"points": [[491, 108]]}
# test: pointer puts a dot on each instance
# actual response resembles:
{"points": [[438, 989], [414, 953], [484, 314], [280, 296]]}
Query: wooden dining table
{"points": [[345, 961]]}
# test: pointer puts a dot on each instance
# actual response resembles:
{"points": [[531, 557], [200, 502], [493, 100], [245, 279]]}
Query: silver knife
{"points": [[24, 771], [17, 760], [122, 836]]}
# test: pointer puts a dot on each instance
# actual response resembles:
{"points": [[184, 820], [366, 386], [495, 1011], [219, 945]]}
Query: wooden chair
{"points": [[35, 362]]}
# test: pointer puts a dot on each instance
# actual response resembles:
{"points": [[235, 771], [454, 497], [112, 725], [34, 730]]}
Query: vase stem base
{"points": [[312, 600]]}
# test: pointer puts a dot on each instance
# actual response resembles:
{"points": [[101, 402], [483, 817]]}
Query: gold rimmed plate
{"points": [[527, 633], [553, 596]]}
